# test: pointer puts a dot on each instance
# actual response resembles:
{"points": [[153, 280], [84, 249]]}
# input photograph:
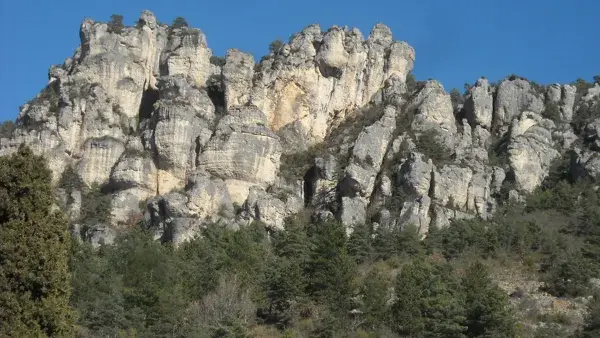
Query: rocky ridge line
{"points": [[330, 121]]}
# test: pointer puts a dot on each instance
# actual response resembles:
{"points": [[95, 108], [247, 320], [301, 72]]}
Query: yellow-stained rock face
{"points": [[315, 86], [289, 105], [166, 182], [238, 190]]}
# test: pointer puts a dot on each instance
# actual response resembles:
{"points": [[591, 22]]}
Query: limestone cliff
{"points": [[330, 121]]}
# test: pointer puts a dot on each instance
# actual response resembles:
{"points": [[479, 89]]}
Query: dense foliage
{"points": [[312, 279], [34, 245]]}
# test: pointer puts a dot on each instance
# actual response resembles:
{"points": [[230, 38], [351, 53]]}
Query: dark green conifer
{"points": [[34, 246]]}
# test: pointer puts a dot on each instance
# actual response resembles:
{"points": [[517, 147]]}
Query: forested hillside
{"points": [[309, 279]]}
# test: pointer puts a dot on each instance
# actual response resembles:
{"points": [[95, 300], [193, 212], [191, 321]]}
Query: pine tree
{"points": [[34, 246], [359, 243], [179, 22], [408, 241], [569, 275], [115, 25], [375, 296], [284, 283], [389, 241], [384, 246], [330, 269], [293, 241], [487, 307], [428, 303]]}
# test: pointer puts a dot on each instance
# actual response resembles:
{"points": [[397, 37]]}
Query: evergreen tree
{"points": [[330, 270], [360, 243], [97, 292], [383, 242], [95, 209], [200, 267], [293, 241], [179, 22], [375, 296], [408, 241], [149, 272], [487, 307], [115, 25], [428, 303], [284, 283], [275, 46], [569, 275], [34, 246], [242, 252], [390, 241]]}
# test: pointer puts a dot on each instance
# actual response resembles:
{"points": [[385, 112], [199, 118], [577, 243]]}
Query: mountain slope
{"points": [[330, 120]]}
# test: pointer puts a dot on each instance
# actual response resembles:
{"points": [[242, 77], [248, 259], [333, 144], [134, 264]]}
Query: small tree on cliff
{"points": [[179, 22], [275, 46], [34, 245], [115, 25]]}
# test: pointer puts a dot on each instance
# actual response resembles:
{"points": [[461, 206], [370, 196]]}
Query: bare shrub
{"points": [[229, 305]]}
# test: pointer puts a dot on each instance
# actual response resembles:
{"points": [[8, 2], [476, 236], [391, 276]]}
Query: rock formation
{"points": [[328, 122]]}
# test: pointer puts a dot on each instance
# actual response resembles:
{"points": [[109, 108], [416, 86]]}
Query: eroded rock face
{"points": [[433, 110], [208, 197], [322, 76], [588, 164], [416, 212], [271, 210], [479, 104], [186, 53], [443, 216], [238, 73], [134, 178], [369, 150], [531, 150], [451, 186], [173, 219], [353, 211], [99, 156], [182, 124], [514, 97], [243, 152], [180, 216], [190, 139], [415, 174], [564, 97]]}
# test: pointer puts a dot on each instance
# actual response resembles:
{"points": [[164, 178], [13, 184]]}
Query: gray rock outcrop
{"points": [[512, 98], [186, 139], [479, 106], [242, 151], [531, 150]]}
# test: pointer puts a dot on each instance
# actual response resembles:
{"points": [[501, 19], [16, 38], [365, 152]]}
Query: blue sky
{"points": [[455, 41]]}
